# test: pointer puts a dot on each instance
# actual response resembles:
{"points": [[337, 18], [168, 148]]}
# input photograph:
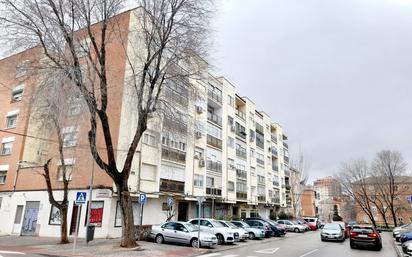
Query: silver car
{"points": [[181, 233], [333, 232], [243, 234], [254, 233]]}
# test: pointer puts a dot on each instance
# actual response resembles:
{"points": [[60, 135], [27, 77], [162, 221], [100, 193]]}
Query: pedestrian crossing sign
{"points": [[80, 197]]}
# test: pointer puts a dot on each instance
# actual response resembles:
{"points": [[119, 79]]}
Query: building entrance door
{"points": [[74, 221], [182, 211], [29, 226]]}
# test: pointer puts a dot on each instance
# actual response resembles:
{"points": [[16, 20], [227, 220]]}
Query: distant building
{"points": [[308, 202], [328, 193]]}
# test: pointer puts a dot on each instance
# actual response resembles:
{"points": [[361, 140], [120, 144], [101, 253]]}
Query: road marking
{"points": [[210, 255], [10, 252], [271, 250], [308, 253], [230, 255]]}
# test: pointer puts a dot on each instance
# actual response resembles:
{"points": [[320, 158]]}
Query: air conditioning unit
{"points": [[198, 134], [233, 128], [199, 109], [202, 163]]}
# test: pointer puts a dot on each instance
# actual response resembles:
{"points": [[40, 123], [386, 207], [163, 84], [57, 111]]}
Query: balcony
{"points": [[215, 96], [286, 158], [240, 114], [275, 183], [259, 142], [242, 174], [275, 200], [285, 145], [241, 133], [274, 139], [213, 141], [214, 166], [260, 161], [173, 155], [214, 118], [241, 195], [261, 199], [274, 151], [172, 186], [241, 153], [275, 168], [175, 97], [213, 191]]}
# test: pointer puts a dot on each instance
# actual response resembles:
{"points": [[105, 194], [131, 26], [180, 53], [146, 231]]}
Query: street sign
{"points": [[410, 198], [169, 201], [142, 199], [80, 197]]}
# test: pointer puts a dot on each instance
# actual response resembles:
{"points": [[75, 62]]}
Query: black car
{"points": [[365, 235], [275, 230], [260, 224]]}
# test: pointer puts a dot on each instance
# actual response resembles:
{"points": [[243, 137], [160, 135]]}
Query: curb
{"points": [[397, 249]]}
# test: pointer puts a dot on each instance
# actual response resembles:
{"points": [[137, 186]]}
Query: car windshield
{"points": [[245, 225], [217, 224], [191, 227], [231, 225], [295, 222], [363, 230], [332, 226]]}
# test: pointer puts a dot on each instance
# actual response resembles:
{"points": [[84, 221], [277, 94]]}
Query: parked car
{"points": [[344, 226], [254, 232], [292, 226], [313, 222], [243, 234], [351, 224], [303, 223], [401, 229], [260, 224], [407, 248], [406, 237], [401, 232], [365, 235], [182, 233], [333, 232], [277, 231], [222, 233]]}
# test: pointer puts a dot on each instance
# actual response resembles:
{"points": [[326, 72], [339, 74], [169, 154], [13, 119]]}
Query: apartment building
{"points": [[328, 194], [308, 202], [214, 143]]}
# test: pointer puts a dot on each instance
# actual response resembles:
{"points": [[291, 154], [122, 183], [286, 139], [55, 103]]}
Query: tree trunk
{"points": [[64, 239], [395, 222], [128, 230]]}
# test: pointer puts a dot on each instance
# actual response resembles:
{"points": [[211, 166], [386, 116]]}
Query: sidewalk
{"points": [[99, 247]]}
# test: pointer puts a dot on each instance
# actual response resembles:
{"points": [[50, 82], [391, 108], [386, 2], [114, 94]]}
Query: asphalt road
{"points": [[17, 254], [306, 245]]}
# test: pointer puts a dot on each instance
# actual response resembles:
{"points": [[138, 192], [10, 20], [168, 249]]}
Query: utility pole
{"points": [[90, 201]]}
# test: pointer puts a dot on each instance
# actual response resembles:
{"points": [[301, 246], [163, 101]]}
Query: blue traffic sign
{"points": [[80, 197], [410, 198], [169, 201], [142, 198]]}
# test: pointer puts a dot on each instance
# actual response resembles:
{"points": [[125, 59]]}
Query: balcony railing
{"points": [[175, 97], [240, 114], [240, 153], [241, 174], [274, 139], [174, 155], [214, 118], [275, 183], [213, 191], [286, 158], [172, 186], [275, 200], [260, 161], [241, 195], [262, 198], [285, 145], [215, 96], [275, 168], [213, 141], [214, 166], [241, 133], [274, 151]]}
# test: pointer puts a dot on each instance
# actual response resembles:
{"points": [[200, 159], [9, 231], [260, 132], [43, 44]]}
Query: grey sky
{"points": [[336, 74]]}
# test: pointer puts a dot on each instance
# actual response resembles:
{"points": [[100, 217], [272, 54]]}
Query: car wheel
{"points": [[251, 235], [379, 247], [296, 230], [220, 239], [323, 240], [159, 239], [195, 243], [352, 245]]}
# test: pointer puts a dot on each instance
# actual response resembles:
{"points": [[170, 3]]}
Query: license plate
{"points": [[363, 236]]}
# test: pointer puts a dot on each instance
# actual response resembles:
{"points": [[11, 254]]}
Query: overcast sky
{"points": [[336, 74]]}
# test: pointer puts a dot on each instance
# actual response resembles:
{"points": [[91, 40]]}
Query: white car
{"points": [[407, 248], [292, 226], [243, 234], [254, 233], [222, 233]]}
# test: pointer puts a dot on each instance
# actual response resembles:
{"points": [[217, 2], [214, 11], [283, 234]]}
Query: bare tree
{"points": [[354, 178], [169, 35], [298, 179], [388, 169]]}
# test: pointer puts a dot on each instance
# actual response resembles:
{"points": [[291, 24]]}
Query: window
{"points": [[252, 170], [149, 139], [17, 93], [210, 182], [148, 172], [230, 120], [230, 142], [260, 179], [70, 135], [3, 174], [6, 148], [230, 164], [198, 180], [252, 153], [231, 100], [96, 213], [241, 186], [55, 216], [69, 169], [11, 121], [260, 159], [230, 186]]}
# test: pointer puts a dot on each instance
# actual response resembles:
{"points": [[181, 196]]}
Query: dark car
{"points": [[277, 231], [365, 235], [406, 237], [260, 225]]}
